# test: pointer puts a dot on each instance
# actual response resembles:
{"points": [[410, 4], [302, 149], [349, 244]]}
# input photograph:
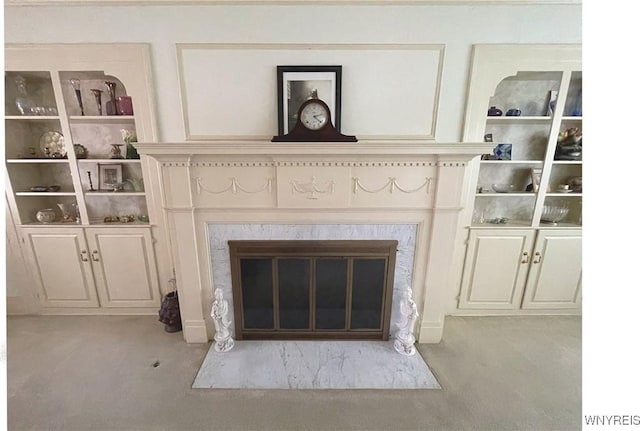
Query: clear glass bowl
{"points": [[554, 213]]}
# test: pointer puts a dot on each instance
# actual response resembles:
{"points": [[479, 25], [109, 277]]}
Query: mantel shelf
{"points": [[334, 149]]}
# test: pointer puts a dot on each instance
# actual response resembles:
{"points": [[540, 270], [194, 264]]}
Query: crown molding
{"points": [[9, 3]]}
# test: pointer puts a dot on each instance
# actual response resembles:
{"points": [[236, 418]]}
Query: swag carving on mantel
{"points": [[233, 187]]}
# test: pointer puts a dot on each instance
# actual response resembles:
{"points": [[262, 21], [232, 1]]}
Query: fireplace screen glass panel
{"points": [[331, 293], [312, 289], [293, 293], [257, 296], [366, 296]]}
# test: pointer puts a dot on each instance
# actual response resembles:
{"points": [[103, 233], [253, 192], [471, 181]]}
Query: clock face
{"points": [[314, 116]]}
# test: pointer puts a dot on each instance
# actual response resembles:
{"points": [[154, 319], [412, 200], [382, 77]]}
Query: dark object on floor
{"points": [[169, 313]]}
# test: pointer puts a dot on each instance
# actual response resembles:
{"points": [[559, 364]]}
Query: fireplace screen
{"points": [[312, 289]]}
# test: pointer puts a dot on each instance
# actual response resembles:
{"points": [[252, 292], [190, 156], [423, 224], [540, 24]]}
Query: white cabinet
{"points": [[511, 269], [555, 274], [104, 268], [495, 271], [62, 268], [124, 267]]}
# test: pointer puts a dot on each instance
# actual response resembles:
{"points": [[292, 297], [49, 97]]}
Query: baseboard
{"points": [[520, 312], [18, 305], [194, 331], [431, 332]]}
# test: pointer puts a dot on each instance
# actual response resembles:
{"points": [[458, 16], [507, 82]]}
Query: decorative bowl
{"points": [[553, 213], [47, 215], [503, 188]]}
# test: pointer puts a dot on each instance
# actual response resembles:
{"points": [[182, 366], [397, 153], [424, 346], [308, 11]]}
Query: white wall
{"points": [[457, 27]]}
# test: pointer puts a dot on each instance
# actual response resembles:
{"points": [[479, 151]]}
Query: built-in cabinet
{"points": [[75, 184], [512, 269], [524, 207], [76, 267]]}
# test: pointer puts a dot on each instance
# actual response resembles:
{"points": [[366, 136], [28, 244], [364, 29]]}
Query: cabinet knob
{"points": [[94, 256], [83, 256], [537, 257], [525, 257]]}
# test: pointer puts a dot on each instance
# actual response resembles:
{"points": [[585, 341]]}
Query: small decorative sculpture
{"points": [[116, 152], [404, 342], [219, 313], [169, 312]]}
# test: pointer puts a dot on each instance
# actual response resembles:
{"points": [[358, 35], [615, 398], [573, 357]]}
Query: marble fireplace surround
{"points": [[405, 234], [198, 186]]}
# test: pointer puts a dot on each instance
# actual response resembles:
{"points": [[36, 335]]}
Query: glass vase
{"points": [[23, 101]]}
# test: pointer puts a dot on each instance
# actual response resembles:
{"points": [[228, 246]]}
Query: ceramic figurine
{"points": [[514, 112], [220, 315], [405, 339]]}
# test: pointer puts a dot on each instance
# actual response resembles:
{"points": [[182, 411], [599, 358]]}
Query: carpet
{"points": [[313, 365]]}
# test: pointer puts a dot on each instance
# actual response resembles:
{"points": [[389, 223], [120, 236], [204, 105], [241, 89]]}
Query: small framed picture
{"points": [[297, 84], [536, 174], [109, 176]]}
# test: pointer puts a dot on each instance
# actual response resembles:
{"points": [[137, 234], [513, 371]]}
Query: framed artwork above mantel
{"points": [[297, 84]]}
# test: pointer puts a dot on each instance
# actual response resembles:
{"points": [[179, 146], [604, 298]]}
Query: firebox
{"points": [[312, 289]]}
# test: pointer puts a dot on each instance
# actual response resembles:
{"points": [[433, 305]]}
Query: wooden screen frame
{"points": [[313, 250]]}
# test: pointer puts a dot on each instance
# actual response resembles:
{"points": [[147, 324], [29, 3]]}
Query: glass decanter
{"points": [[23, 100]]}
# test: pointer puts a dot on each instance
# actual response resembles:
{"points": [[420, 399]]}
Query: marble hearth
{"points": [[206, 193]]}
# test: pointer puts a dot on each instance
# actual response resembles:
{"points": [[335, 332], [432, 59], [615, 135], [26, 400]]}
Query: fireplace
{"points": [[312, 289], [309, 191]]}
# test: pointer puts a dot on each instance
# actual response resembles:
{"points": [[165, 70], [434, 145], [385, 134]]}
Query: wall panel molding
{"points": [[389, 91]]}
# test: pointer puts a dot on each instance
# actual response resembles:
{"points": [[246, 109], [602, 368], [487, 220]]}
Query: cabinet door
{"points": [[495, 270], [124, 266], [555, 277], [62, 267]]}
